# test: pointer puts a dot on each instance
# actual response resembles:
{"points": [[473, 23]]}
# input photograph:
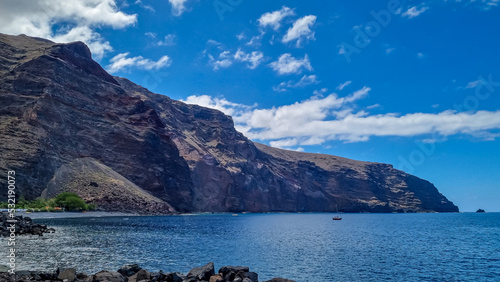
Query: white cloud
{"points": [[374, 106], [169, 40], [95, 42], [287, 64], [76, 20], [213, 42], [343, 85], [273, 19], [225, 59], [414, 11], [241, 36], [389, 50], [284, 143], [301, 30], [474, 84], [122, 62], [144, 6], [151, 35], [255, 40], [178, 7], [319, 119], [303, 82], [254, 59], [221, 104]]}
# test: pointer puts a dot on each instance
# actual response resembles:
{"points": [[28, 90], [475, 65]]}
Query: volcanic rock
{"points": [[67, 125]]}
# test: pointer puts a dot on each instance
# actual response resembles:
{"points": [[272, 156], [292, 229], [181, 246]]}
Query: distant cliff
{"points": [[67, 125]]}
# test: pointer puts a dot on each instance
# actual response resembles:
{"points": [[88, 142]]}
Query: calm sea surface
{"points": [[304, 247]]}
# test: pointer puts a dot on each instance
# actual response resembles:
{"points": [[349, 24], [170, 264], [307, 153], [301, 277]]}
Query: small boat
{"points": [[337, 217]]}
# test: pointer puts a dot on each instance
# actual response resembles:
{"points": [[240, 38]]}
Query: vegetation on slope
{"points": [[62, 202]]}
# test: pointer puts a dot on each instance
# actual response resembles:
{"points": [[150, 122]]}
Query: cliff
{"points": [[67, 125]]}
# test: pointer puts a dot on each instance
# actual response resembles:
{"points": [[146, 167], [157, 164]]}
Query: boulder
{"points": [[141, 275], [129, 269], [202, 273], [83, 277], [173, 277], [48, 276], [229, 272], [109, 276], [249, 276], [226, 269], [23, 226], [216, 278], [67, 273]]}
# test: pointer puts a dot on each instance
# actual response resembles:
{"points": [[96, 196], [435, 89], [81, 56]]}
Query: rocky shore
{"points": [[134, 273], [21, 225]]}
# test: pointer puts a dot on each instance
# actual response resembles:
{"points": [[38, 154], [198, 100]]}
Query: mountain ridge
{"points": [[59, 107]]}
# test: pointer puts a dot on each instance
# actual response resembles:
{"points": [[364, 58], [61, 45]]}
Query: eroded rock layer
{"points": [[67, 125]]}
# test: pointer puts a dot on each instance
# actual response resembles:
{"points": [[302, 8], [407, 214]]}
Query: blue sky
{"points": [[411, 83]]}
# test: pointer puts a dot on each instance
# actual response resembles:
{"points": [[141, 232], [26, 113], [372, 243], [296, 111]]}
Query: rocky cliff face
{"points": [[66, 123]]}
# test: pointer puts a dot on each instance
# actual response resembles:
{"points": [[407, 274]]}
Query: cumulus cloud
{"points": [[226, 59], [123, 62], [414, 11], [474, 84], [169, 40], [144, 6], [389, 50], [287, 64], [303, 82], [319, 119], [273, 19], [221, 104], [301, 30], [76, 20], [253, 59], [255, 40], [343, 85], [178, 7]]}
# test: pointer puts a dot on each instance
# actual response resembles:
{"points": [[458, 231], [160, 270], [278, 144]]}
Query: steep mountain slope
{"points": [[62, 116]]}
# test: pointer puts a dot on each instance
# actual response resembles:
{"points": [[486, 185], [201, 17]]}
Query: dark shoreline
{"points": [[134, 273]]}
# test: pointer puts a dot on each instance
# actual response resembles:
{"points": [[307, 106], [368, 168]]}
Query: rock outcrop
{"points": [[67, 125], [133, 273], [19, 225]]}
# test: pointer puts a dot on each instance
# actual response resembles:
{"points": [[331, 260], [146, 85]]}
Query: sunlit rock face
{"points": [[64, 120]]}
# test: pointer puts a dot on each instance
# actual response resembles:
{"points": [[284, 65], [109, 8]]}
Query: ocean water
{"points": [[304, 247]]}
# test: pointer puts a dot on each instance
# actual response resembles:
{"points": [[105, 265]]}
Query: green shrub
{"points": [[70, 202], [64, 201]]}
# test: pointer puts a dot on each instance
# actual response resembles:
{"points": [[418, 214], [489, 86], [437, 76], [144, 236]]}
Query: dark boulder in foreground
{"points": [[133, 273], [20, 225]]}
